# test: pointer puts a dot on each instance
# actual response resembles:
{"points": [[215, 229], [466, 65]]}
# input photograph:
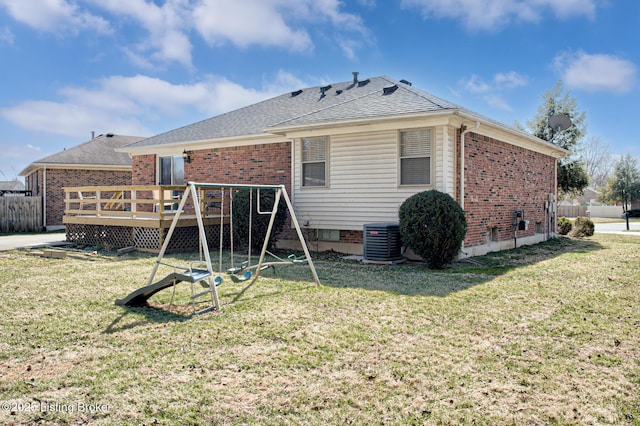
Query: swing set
{"points": [[205, 275]]}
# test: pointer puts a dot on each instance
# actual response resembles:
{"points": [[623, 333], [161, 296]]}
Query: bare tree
{"points": [[594, 154]]}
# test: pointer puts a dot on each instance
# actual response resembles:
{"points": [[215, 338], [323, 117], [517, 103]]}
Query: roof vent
{"points": [[389, 89], [110, 135], [296, 93], [355, 77], [403, 81], [338, 91], [323, 89], [363, 83]]}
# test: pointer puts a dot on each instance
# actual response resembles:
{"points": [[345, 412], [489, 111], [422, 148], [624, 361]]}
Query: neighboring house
{"points": [[91, 163], [12, 187], [350, 153]]}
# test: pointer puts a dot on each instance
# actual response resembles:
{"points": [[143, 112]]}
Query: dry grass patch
{"points": [[548, 334]]}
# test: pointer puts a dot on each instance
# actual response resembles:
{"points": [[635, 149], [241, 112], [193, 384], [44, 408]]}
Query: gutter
{"points": [[44, 197]]}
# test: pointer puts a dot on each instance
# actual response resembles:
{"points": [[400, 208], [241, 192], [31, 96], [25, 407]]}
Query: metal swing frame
{"points": [[191, 190]]}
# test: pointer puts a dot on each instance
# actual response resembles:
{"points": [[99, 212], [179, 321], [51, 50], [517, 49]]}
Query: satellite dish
{"points": [[559, 122]]}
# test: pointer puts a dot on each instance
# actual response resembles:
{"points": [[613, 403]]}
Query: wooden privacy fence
{"points": [[20, 214]]}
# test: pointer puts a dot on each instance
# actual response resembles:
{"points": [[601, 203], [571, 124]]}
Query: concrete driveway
{"points": [[19, 241], [619, 228]]}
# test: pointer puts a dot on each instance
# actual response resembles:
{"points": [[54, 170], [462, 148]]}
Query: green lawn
{"points": [[548, 334]]}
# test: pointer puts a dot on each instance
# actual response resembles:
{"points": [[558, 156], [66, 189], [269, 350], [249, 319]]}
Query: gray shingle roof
{"points": [[99, 151], [342, 102]]}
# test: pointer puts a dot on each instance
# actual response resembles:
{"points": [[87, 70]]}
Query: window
{"points": [[171, 170], [415, 157], [314, 161], [329, 234]]}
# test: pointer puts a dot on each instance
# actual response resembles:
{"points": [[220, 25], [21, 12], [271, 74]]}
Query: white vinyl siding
{"points": [[314, 161], [415, 157], [365, 180]]}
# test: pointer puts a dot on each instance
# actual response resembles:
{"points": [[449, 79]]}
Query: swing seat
{"points": [[293, 258], [237, 279], [239, 268], [216, 282]]}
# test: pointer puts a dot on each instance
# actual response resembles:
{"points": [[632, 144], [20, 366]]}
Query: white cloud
{"points": [[510, 80], [167, 28], [139, 105], [6, 36], [596, 72], [492, 15], [492, 91], [54, 16], [247, 22]]}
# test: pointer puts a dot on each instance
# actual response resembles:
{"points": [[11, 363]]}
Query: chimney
{"points": [[355, 77]]}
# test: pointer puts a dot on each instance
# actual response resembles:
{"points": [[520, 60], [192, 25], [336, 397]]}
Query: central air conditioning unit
{"points": [[382, 243]]}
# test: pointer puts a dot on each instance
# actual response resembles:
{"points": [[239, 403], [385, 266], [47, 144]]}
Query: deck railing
{"points": [[156, 203]]}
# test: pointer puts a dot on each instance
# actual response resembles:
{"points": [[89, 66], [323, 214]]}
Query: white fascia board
{"points": [[511, 136], [178, 147], [61, 166]]}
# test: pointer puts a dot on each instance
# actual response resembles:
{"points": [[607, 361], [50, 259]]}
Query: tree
{"points": [[624, 186], [572, 176], [597, 160]]}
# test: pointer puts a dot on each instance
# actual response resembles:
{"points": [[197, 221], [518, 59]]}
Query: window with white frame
{"points": [[314, 161], [415, 157], [171, 170]]}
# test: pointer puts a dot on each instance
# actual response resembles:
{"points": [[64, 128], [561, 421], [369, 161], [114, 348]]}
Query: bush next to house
{"points": [[564, 225], [583, 227], [259, 222], [433, 225]]}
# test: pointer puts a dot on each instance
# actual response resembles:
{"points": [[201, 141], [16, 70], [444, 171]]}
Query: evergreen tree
{"points": [[572, 175]]}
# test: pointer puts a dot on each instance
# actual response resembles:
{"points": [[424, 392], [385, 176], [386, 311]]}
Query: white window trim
{"points": [[431, 159], [326, 163]]}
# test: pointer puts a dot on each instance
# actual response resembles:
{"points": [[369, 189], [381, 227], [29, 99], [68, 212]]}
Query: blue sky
{"points": [[142, 67]]}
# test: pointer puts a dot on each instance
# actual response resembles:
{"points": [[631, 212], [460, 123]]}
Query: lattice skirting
{"points": [[144, 239]]}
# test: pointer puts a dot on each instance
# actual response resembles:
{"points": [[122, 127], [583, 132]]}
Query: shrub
{"points": [[259, 222], [583, 227], [564, 225], [433, 225]]}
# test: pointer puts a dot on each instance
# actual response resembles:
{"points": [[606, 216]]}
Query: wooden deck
{"points": [[139, 216]]}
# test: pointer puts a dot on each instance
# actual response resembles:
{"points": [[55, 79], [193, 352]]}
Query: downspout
{"points": [[555, 211], [292, 172], [44, 197]]}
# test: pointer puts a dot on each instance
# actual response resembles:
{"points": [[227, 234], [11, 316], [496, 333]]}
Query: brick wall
{"points": [[33, 183], [253, 164], [144, 170], [58, 179], [501, 178]]}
